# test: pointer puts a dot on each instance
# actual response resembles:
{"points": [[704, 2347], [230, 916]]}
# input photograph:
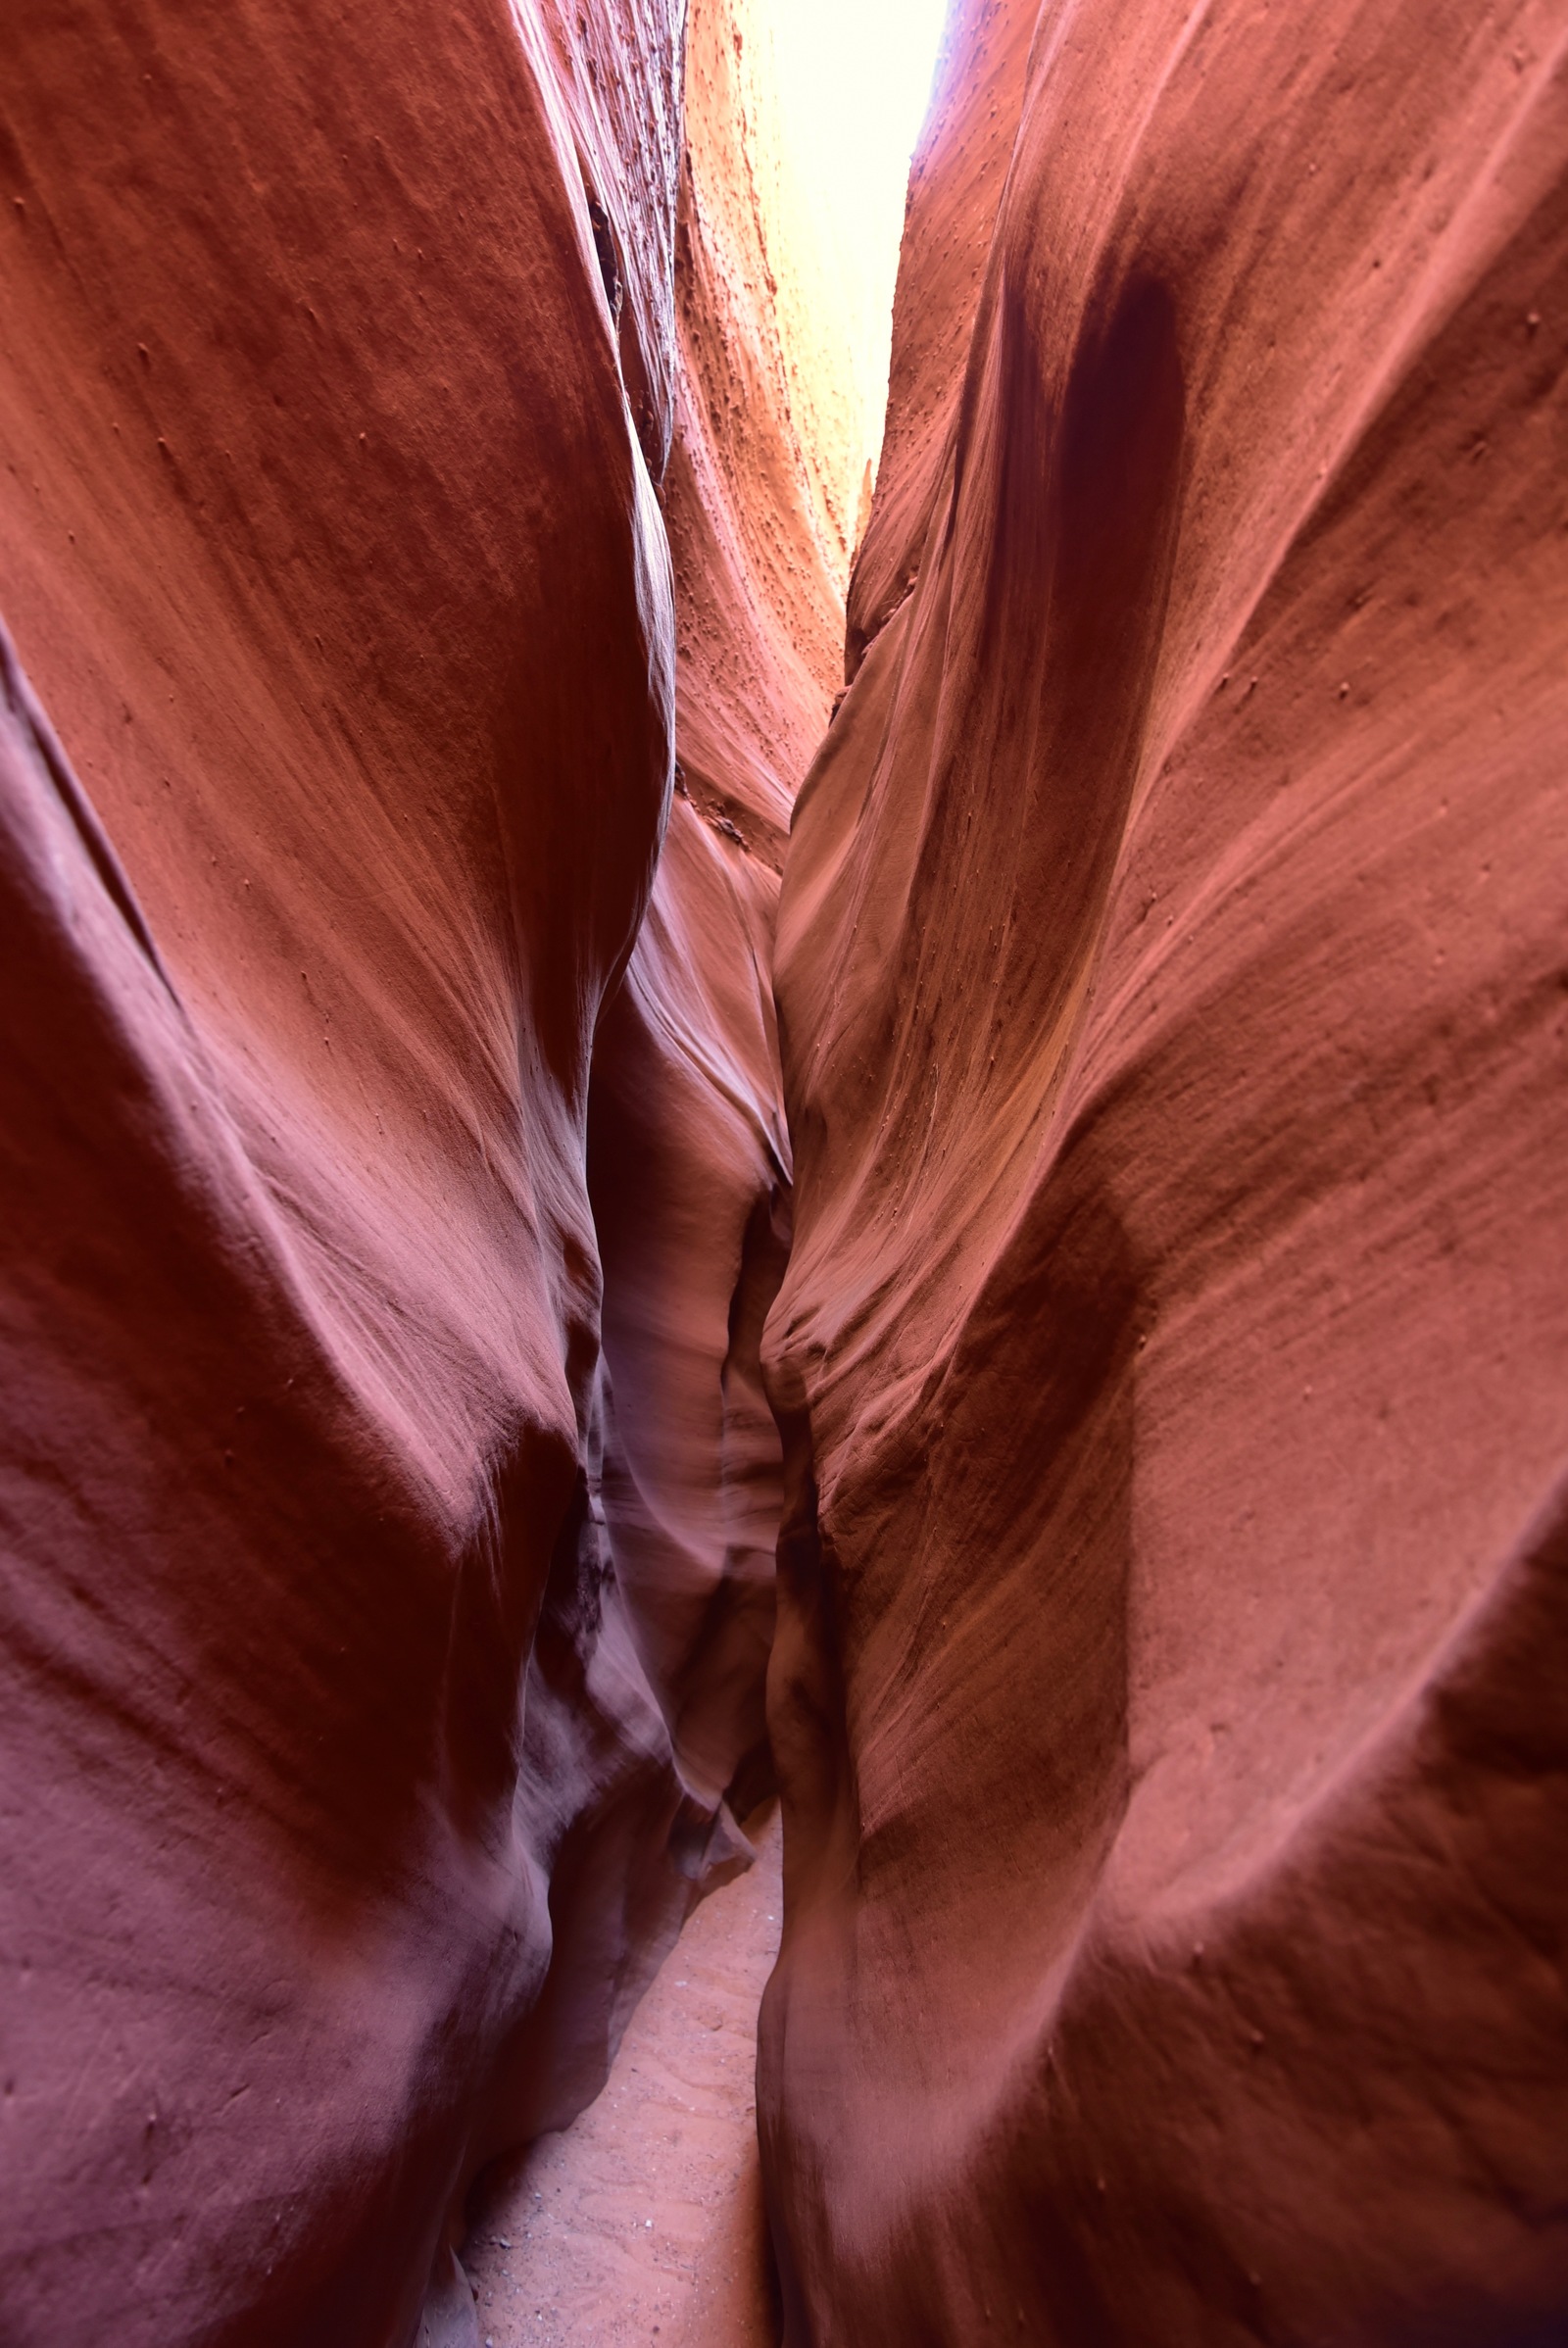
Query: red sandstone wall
{"points": [[353, 1778], [1171, 1001], [1169, 1687]]}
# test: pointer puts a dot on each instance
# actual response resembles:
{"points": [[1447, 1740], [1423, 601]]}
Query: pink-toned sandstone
{"points": [[355, 1780], [1168, 1695]]}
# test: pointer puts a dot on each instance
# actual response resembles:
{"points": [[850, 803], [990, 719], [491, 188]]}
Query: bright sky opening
{"points": [[854, 81]]}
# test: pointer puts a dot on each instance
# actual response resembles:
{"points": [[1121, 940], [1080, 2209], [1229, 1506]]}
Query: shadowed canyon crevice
{"points": [[657, 1155]]}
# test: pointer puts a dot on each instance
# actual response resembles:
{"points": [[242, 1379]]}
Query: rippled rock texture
{"points": [[1173, 1631], [377, 1649]]}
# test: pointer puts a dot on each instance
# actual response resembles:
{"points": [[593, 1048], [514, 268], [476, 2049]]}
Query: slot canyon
{"points": [[783, 1187]]}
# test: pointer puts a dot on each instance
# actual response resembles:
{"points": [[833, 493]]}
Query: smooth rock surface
{"points": [[352, 1791], [1173, 1616]]}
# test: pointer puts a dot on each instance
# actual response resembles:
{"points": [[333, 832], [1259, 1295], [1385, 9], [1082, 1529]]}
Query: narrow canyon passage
{"points": [[747, 1077], [644, 2218]]}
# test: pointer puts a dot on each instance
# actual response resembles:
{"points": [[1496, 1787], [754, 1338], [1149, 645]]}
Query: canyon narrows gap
{"points": [[548, 1064]]}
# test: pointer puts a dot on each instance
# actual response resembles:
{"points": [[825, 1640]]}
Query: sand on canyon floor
{"points": [[644, 2220]]}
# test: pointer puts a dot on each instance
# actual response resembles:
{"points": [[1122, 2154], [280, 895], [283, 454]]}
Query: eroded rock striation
{"points": [[376, 1659], [1173, 1622]]}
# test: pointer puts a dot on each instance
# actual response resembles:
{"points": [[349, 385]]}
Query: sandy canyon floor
{"points": [[644, 2220]]}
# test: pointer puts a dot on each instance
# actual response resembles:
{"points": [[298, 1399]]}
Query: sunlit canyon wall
{"points": [[421, 553]]}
